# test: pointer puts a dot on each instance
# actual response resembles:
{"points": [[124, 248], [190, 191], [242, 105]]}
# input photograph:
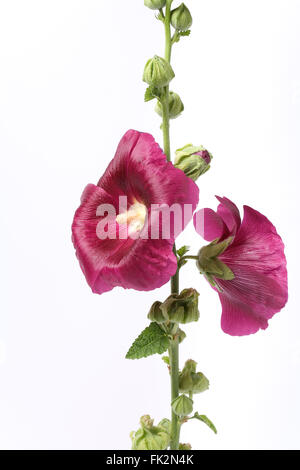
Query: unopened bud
{"points": [[182, 405], [181, 308], [186, 446], [191, 381], [194, 161], [176, 106], [156, 313], [158, 72], [150, 437], [155, 4], [181, 18]]}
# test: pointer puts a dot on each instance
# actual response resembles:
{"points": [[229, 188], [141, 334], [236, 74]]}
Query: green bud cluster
{"points": [[210, 265], [177, 308], [194, 161], [181, 18], [175, 106], [158, 72], [191, 381], [155, 4], [150, 437]]}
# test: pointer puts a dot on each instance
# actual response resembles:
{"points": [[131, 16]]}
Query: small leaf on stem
{"points": [[152, 340], [206, 421]]}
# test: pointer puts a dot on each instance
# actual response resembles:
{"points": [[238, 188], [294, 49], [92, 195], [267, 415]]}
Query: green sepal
{"points": [[152, 340], [209, 264]]}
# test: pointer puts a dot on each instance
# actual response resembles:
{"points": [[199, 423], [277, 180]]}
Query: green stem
{"points": [[174, 364], [173, 349]]}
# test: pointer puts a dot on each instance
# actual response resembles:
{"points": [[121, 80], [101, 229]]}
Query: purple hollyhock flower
{"points": [[121, 249], [255, 256]]}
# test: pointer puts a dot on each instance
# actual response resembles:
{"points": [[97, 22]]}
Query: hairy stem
{"points": [[173, 349]]}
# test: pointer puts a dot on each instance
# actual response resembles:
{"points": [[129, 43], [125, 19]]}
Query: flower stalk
{"points": [[174, 343]]}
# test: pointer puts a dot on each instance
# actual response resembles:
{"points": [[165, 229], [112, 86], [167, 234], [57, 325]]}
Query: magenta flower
{"points": [[255, 256], [117, 246]]}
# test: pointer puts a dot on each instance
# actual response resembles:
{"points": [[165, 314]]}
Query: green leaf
{"points": [[179, 34], [166, 360], [153, 340], [183, 250], [206, 421], [185, 33]]}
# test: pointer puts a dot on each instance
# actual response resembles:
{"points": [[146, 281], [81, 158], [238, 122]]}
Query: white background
{"points": [[70, 86]]}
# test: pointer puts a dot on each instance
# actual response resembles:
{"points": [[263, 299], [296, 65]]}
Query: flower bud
{"points": [[182, 405], [156, 313], [192, 381], [194, 161], [175, 106], [155, 4], [186, 446], [209, 264], [181, 18], [150, 437], [181, 308], [158, 72], [146, 422], [165, 424]]}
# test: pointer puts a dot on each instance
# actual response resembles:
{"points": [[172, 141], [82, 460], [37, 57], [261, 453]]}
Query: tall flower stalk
{"points": [[174, 344], [124, 234]]}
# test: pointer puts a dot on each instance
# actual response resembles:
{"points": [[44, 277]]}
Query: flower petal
{"points": [[259, 289], [140, 172], [239, 319], [229, 213], [257, 244], [209, 225]]}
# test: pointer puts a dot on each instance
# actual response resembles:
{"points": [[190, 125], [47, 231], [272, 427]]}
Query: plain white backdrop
{"points": [[70, 86]]}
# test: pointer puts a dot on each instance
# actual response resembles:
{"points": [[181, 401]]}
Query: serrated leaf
{"points": [[206, 421], [153, 340], [183, 250]]}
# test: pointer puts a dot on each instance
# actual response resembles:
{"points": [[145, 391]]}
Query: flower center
{"points": [[134, 217]]}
